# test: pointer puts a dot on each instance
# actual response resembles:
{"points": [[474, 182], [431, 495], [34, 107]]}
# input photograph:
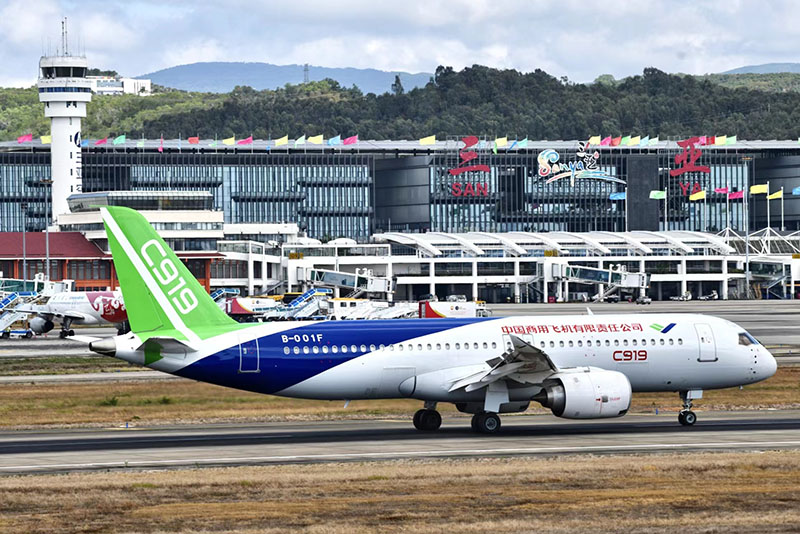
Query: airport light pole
{"points": [[48, 219], [24, 208]]}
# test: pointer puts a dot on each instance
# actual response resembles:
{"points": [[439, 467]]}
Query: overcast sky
{"points": [[578, 39]]}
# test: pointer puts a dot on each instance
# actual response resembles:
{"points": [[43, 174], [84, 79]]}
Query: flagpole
{"points": [[768, 221], [666, 213], [728, 202], [783, 226]]}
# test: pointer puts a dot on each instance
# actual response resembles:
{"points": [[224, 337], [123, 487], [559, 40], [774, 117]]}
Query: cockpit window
{"points": [[746, 339]]}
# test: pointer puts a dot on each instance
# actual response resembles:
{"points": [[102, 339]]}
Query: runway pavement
{"points": [[315, 442]]}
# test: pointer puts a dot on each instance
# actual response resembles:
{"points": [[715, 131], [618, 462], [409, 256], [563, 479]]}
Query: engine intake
{"points": [[586, 393], [40, 325]]}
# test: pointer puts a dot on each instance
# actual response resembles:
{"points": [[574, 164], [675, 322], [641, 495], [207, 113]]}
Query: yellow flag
{"points": [[635, 141], [720, 139], [700, 195], [315, 139], [759, 189], [229, 141], [501, 141], [46, 139], [776, 194], [430, 140], [282, 141], [594, 140]]}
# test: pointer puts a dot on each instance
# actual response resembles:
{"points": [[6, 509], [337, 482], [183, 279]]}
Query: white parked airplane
{"points": [[78, 308], [581, 367]]}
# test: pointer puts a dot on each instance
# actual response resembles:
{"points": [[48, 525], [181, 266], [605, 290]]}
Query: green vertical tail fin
{"points": [[160, 293]]}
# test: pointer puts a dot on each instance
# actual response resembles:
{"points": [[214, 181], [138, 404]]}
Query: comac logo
{"points": [[166, 273]]}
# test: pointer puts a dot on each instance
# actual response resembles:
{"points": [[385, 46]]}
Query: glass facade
{"points": [[332, 193]]}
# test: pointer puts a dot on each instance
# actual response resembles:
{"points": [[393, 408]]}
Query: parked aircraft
{"points": [[78, 308], [581, 367]]}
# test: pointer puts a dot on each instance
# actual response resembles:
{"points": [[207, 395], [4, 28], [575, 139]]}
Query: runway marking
{"points": [[366, 455]]}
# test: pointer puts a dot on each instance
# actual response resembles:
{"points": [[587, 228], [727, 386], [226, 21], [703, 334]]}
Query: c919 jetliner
{"points": [[580, 366]]}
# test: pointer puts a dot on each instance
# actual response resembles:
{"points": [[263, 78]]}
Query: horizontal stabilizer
{"points": [[83, 339], [167, 345]]}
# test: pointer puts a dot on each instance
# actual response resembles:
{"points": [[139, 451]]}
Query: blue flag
{"points": [[796, 191], [84, 143], [335, 140], [617, 196]]}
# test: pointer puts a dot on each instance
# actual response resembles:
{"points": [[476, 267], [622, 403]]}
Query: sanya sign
{"points": [[458, 189], [582, 168]]}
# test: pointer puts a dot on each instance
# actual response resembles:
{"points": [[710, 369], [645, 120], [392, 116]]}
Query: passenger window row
{"points": [[400, 347]]}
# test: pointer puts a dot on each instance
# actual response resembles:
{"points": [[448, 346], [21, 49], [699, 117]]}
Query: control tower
{"points": [[65, 91]]}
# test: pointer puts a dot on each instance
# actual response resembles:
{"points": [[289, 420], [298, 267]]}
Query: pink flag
{"points": [[350, 140], [194, 140], [606, 141], [721, 190], [248, 141], [161, 145], [735, 195], [703, 140], [101, 141], [25, 138]]}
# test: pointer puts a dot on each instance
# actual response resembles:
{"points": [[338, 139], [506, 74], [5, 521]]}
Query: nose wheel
{"points": [[687, 417]]}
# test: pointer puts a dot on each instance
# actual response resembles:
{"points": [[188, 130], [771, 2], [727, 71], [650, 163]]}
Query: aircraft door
{"points": [[249, 361], [707, 345]]}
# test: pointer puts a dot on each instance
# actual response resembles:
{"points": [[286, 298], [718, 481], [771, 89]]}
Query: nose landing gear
{"points": [[687, 417]]}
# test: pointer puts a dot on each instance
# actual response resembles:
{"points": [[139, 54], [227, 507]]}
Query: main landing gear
{"points": [[66, 333], [687, 417], [486, 422], [428, 418]]}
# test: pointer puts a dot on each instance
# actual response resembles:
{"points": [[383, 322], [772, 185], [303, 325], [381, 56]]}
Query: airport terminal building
{"points": [[369, 187]]}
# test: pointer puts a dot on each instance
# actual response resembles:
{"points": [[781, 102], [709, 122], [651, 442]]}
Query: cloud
{"points": [[563, 37]]}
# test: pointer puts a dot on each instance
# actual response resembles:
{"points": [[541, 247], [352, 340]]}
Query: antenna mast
{"points": [[64, 41]]}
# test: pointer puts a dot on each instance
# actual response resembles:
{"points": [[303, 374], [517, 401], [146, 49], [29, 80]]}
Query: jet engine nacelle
{"points": [[40, 325], [586, 393]]}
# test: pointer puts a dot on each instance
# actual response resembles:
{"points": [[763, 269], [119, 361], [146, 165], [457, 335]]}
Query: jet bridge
{"points": [[609, 281]]}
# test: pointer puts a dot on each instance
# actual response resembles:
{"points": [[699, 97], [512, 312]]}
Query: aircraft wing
{"points": [[69, 314], [522, 363]]}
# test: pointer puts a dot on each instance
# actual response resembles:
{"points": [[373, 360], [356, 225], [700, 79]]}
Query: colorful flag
{"points": [[101, 141], [721, 190], [759, 189], [315, 139], [625, 141], [796, 191], [736, 194], [633, 141], [703, 140], [653, 141], [501, 142], [213, 144], [710, 140], [700, 195], [350, 140], [84, 143], [46, 139], [247, 141], [606, 141], [335, 140], [731, 140], [658, 195], [776, 194], [161, 144], [513, 145], [300, 140], [616, 141], [140, 143], [617, 196], [282, 141], [193, 140], [25, 138], [523, 143], [229, 141], [645, 141], [118, 140], [720, 140], [430, 140], [594, 140]]}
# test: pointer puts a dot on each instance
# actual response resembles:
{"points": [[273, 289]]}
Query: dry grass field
{"points": [[179, 401], [698, 493]]}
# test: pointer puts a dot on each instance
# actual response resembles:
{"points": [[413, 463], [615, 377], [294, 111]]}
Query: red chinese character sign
{"points": [[466, 156], [687, 160]]}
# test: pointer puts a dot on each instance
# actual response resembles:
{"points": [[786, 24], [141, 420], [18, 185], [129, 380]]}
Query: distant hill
{"points": [[222, 77], [766, 68]]}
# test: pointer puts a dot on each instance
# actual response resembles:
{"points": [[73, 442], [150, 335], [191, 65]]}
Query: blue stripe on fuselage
{"points": [[280, 371]]}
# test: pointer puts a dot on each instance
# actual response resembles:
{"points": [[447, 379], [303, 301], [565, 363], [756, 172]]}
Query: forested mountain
{"points": [[224, 76], [476, 100], [766, 68]]}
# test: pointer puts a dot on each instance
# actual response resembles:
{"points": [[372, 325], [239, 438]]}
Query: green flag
{"points": [[653, 141], [300, 140], [119, 140], [523, 143], [625, 140], [658, 195], [731, 140], [140, 143]]}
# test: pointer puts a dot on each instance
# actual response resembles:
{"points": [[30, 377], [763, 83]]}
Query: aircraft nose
{"points": [[768, 365]]}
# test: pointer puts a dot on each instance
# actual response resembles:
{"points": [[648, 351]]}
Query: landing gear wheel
{"points": [[687, 418], [62, 334], [486, 423], [71, 333], [427, 420]]}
